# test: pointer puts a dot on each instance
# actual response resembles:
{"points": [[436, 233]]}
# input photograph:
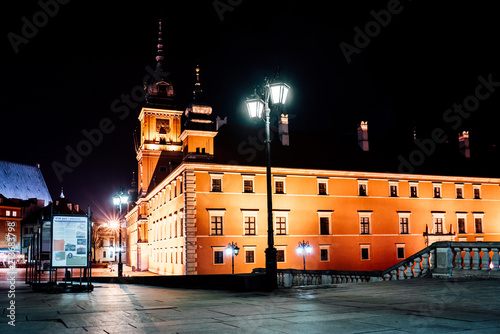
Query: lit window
{"points": [[7, 212], [14, 213], [403, 225]]}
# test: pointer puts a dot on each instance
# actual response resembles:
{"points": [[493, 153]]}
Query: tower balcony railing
{"points": [[448, 259]]}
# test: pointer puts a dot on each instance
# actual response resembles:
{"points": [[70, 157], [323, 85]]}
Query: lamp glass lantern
{"points": [[255, 107], [279, 92]]}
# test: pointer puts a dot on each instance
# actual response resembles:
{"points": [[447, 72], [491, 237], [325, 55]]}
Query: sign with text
{"points": [[70, 241]]}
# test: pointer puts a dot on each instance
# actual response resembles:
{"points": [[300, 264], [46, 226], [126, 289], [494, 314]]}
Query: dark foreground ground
{"points": [[415, 306]]}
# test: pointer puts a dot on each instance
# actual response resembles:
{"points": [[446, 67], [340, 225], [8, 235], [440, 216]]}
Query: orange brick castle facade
{"points": [[192, 204]]}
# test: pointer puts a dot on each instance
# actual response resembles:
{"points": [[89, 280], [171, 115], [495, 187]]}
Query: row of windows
{"points": [[164, 228], [9, 213], [279, 187], [175, 255], [281, 225], [174, 189], [219, 255]]}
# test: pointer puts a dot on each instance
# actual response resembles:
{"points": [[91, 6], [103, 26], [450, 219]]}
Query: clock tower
{"points": [[159, 148]]}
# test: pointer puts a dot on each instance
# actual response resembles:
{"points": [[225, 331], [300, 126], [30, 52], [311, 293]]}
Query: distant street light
{"points": [[232, 250], [304, 248], [258, 108], [118, 199]]}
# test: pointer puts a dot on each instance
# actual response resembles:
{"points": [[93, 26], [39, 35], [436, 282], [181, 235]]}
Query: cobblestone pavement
{"points": [[414, 306]]}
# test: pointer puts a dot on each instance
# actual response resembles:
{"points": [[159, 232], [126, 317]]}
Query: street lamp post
{"points": [[304, 248], [232, 249], [258, 108], [118, 199]]}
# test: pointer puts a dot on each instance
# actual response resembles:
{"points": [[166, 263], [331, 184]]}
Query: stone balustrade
{"points": [[441, 259]]}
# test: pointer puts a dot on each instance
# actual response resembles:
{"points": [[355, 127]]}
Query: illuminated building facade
{"points": [[210, 191]]}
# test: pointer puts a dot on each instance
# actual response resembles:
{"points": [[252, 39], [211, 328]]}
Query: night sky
{"points": [[64, 77]]}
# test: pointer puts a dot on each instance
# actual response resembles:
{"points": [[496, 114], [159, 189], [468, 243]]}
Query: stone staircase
{"points": [[448, 259]]}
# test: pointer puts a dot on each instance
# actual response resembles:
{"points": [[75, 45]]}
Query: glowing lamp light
{"points": [[113, 224], [279, 92], [229, 251], [309, 249], [255, 107], [299, 250]]}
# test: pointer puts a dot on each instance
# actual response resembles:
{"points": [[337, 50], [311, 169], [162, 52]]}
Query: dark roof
{"points": [[22, 182], [394, 153]]}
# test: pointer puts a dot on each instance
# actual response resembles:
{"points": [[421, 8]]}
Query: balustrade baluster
{"points": [[425, 263], [476, 259], [458, 258], [486, 259], [394, 275], [408, 272], [401, 272], [467, 258], [495, 259], [416, 269]]}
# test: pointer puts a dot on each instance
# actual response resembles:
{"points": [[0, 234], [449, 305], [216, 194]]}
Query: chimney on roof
{"points": [[70, 206], [363, 135], [77, 208], [283, 130], [463, 143]]}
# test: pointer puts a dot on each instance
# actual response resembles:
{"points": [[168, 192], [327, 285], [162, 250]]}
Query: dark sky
{"points": [[65, 76]]}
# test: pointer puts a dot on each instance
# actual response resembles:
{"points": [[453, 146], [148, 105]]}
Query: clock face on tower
{"points": [[162, 126]]}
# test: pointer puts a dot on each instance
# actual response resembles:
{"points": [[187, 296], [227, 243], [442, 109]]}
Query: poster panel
{"points": [[70, 241]]}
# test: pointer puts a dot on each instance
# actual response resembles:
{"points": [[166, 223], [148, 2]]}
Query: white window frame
{"points": [[248, 178], [217, 176], [464, 216], [277, 214], [394, 184], [219, 249], [479, 215], [250, 248], [7, 213], [403, 215], [249, 213], [439, 215], [365, 183], [325, 214], [365, 214], [474, 188], [327, 247], [279, 178], [216, 213], [364, 246], [412, 184], [325, 181]]}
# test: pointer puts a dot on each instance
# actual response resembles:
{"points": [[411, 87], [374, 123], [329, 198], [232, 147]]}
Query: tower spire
{"points": [[197, 92], [159, 56]]}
